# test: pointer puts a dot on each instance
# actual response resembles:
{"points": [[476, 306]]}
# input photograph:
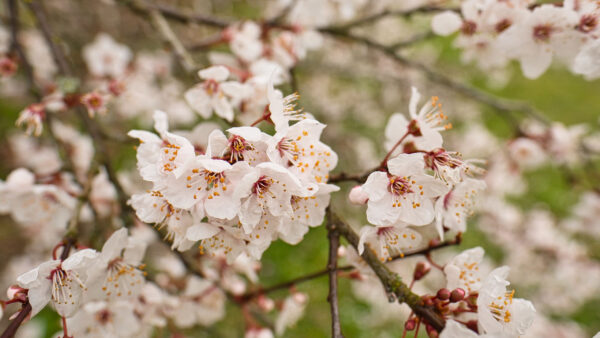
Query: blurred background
{"points": [[354, 90]]}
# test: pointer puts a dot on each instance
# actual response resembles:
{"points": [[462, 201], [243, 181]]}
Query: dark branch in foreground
{"points": [[390, 280], [334, 243]]}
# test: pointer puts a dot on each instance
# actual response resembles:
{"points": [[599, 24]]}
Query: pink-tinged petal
{"points": [[376, 185], [251, 134], [217, 73], [536, 63], [201, 231], [446, 23], [395, 129], [405, 165], [381, 212], [415, 97], [197, 98], [217, 142], [39, 296], [417, 215], [37, 276], [161, 123], [292, 232], [114, 245], [79, 259]]}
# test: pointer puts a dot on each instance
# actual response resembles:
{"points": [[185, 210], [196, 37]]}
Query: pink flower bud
{"points": [[410, 325], [421, 270], [358, 196], [266, 304], [457, 295], [443, 294]]}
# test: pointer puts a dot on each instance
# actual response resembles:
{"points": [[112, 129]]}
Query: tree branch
{"points": [[334, 242], [175, 14], [390, 280], [185, 59], [12, 328]]}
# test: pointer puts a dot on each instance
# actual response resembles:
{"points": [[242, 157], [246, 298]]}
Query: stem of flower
{"points": [[383, 164]]}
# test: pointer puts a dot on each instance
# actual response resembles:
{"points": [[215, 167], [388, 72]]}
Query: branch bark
{"points": [[334, 242], [391, 281]]}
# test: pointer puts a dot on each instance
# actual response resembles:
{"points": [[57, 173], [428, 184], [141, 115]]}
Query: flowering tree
{"points": [[170, 237]]}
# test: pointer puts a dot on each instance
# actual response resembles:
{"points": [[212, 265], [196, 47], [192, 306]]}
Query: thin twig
{"points": [[14, 325], [404, 13], [185, 59], [334, 242], [175, 14]]}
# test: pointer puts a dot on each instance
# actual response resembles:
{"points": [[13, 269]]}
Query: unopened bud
{"points": [[16, 292], [457, 295], [443, 294], [410, 325], [421, 270], [358, 196]]}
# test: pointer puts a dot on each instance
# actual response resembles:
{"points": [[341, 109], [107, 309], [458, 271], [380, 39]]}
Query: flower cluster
{"points": [[417, 183], [494, 32], [241, 190]]}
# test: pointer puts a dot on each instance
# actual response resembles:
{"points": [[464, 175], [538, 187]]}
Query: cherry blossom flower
{"points": [[218, 239], [94, 102], [214, 94], [268, 189], [101, 319], [62, 282], [423, 128], [388, 241], [464, 272], [300, 149], [453, 208], [105, 57], [404, 194], [283, 109], [498, 312], [291, 312], [116, 271], [202, 303], [245, 40], [306, 212], [586, 62], [159, 157], [546, 30], [33, 117], [248, 144]]}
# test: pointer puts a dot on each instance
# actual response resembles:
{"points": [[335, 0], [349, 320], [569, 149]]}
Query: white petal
{"points": [[446, 23]]}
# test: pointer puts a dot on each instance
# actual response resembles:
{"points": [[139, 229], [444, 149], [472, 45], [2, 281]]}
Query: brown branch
{"points": [[499, 104], [334, 242], [390, 280], [175, 14], [184, 58], [403, 13], [343, 177], [12, 328]]}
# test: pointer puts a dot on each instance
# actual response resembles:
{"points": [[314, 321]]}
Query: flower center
{"points": [[542, 32], [399, 186], [468, 28], [499, 307], [236, 149], [587, 23]]}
